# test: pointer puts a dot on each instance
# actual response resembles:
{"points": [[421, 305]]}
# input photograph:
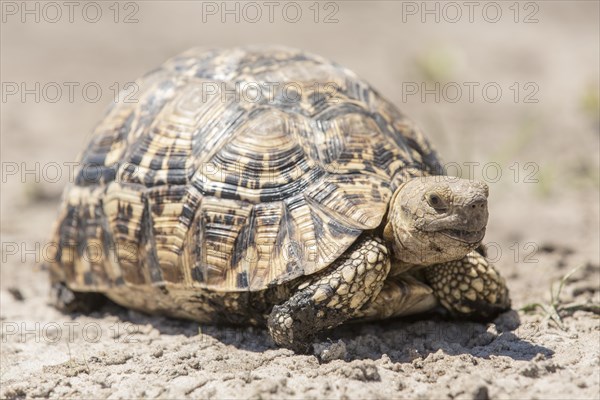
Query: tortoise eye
{"points": [[436, 202]]}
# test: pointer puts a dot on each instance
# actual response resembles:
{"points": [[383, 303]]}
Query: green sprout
{"points": [[590, 101], [436, 65], [557, 309]]}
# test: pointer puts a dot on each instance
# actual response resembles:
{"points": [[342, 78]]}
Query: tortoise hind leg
{"points": [[332, 297], [400, 296], [469, 287], [69, 301]]}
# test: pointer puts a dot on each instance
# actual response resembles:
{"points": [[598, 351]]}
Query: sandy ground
{"points": [[544, 219]]}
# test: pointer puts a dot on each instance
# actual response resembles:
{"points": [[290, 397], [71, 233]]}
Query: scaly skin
{"points": [[400, 296], [332, 298], [469, 287], [420, 231]]}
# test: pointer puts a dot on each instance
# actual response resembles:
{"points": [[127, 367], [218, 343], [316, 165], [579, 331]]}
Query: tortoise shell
{"points": [[234, 170]]}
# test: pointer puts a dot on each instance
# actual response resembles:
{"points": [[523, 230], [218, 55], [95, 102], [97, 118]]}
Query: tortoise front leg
{"points": [[331, 297], [469, 287]]}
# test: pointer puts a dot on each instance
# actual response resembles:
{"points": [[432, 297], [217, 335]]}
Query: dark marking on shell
{"points": [[197, 274], [242, 280]]}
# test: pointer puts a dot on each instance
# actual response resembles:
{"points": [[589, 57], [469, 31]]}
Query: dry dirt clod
{"points": [[329, 351]]}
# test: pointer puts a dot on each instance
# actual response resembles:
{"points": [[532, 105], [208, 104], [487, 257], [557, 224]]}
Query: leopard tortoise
{"points": [[267, 185]]}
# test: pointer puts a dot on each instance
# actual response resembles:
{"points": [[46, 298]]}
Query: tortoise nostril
{"points": [[479, 203]]}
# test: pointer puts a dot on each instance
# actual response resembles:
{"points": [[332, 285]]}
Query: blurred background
{"points": [[507, 92]]}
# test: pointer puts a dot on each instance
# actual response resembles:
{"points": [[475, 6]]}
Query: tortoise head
{"points": [[436, 219]]}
